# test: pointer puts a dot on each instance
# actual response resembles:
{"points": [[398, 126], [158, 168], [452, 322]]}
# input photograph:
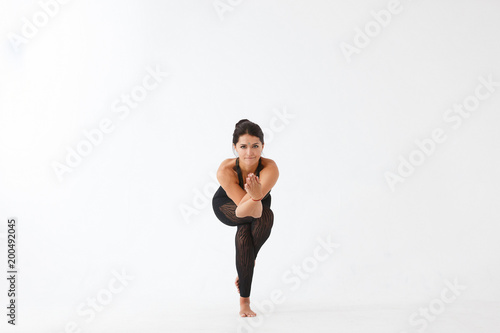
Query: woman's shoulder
{"points": [[229, 163], [267, 162], [226, 174], [227, 166]]}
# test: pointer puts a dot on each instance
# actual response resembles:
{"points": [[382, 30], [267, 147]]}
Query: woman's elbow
{"points": [[241, 215], [237, 212]]}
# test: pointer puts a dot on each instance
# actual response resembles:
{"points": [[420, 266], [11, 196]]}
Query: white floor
{"points": [[466, 317], [473, 317]]}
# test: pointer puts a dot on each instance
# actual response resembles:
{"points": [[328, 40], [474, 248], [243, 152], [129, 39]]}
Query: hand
{"points": [[253, 186]]}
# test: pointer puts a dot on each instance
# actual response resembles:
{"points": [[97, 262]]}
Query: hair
{"points": [[245, 126]]}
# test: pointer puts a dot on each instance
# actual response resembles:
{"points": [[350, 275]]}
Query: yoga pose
{"points": [[244, 201]]}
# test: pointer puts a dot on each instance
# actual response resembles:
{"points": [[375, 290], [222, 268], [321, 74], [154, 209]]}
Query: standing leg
{"points": [[245, 257], [261, 228], [249, 239]]}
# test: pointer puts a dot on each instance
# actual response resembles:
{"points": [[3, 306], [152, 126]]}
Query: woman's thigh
{"points": [[225, 209]]}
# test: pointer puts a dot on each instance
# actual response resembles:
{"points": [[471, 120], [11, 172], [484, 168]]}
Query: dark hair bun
{"points": [[245, 126], [240, 122]]}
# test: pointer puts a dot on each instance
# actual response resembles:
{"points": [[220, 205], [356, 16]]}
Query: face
{"points": [[249, 148]]}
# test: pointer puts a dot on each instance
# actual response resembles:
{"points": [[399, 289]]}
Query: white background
{"points": [[349, 122]]}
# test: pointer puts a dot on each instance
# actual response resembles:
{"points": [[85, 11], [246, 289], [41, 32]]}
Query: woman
{"points": [[244, 201]]}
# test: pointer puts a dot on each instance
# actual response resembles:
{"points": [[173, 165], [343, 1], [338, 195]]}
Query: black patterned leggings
{"points": [[251, 234]]}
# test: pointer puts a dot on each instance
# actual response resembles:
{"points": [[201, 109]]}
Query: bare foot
{"points": [[245, 310], [237, 282]]}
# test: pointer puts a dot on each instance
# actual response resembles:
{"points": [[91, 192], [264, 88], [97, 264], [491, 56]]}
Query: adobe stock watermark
{"points": [[89, 308], [223, 6], [3, 235], [454, 117], [421, 319], [31, 27], [95, 136], [293, 276], [363, 37], [203, 198]]}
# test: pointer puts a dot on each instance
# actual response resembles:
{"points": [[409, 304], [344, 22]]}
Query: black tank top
{"points": [[257, 173]]}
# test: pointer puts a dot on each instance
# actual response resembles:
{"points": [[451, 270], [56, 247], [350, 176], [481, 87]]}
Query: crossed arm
{"points": [[248, 207], [245, 205]]}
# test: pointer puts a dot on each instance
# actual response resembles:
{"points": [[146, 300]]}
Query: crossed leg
{"points": [[249, 239], [251, 234]]}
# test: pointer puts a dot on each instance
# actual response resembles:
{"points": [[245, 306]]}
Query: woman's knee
{"points": [[267, 213]]}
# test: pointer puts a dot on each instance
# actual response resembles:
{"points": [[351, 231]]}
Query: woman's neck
{"points": [[246, 169]]}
